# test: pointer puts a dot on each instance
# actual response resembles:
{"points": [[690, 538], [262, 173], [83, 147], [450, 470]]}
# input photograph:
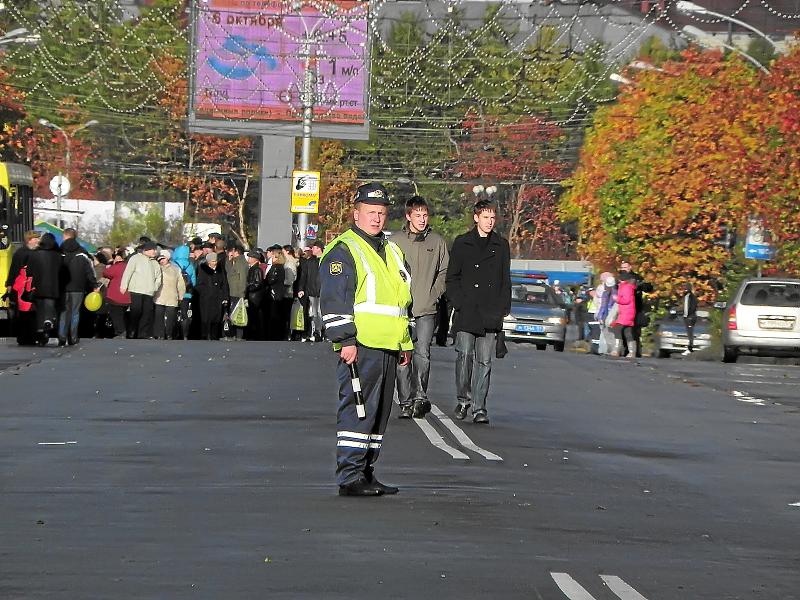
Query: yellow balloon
{"points": [[93, 301]]}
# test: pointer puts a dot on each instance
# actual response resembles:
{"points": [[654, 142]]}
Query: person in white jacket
{"points": [[142, 278]]}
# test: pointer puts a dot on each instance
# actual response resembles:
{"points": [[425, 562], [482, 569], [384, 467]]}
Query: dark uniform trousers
{"points": [[359, 441]]}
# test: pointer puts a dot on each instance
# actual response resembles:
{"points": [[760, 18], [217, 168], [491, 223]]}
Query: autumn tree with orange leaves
{"points": [[522, 160], [684, 154]]}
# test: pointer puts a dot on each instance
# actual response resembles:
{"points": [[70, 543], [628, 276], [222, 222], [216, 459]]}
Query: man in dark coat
{"points": [[479, 288], [78, 278], [46, 266], [255, 293], [308, 292], [212, 292], [24, 320], [689, 312]]}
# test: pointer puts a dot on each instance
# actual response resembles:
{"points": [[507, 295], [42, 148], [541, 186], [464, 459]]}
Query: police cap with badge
{"points": [[372, 193]]}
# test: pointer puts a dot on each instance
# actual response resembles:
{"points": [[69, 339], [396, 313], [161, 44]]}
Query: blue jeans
{"points": [[70, 316], [412, 379], [474, 368]]}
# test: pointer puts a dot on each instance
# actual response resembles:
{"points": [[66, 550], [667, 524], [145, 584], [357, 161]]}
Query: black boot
{"points": [[360, 487]]}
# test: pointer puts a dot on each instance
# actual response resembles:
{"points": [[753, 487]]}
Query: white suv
{"points": [[763, 318]]}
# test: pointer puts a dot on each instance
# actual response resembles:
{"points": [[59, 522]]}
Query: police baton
{"points": [[361, 405]]}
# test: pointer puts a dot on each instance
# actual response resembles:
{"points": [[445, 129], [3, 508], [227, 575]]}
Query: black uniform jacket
{"points": [[337, 273], [479, 282]]}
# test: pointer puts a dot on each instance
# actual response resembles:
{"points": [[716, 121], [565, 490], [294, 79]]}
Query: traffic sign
{"points": [[305, 192], [60, 186], [757, 245]]}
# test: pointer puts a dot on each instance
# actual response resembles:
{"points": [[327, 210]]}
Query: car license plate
{"points": [[776, 324], [530, 328]]}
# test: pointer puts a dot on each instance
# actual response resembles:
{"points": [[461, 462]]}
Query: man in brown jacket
{"points": [[427, 257]]}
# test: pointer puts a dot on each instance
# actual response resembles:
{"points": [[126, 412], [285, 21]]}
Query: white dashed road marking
{"points": [[571, 588], [795, 504], [575, 591], [621, 589], [742, 397], [56, 443], [462, 437]]}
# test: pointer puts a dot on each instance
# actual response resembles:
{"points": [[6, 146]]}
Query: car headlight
{"points": [[509, 318], [704, 336], [666, 334], [555, 320]]}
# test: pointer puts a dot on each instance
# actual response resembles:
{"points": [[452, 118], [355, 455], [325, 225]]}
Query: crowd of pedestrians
{"points": [[615, 311], [204, 289]]}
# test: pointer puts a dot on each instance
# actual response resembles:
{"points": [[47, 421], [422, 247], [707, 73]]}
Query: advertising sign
{"points": [[305, 192], [250, 60], [757, 245]]}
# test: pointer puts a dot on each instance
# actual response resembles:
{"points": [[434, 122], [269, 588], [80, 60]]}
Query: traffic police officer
{"points": [[365, 297]]}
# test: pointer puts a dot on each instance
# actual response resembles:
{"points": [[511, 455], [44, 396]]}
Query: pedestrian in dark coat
{"points": [[276, 289], [78, 279], [479, 283], [255, 294], [479, 287], [212, 295], [689, 312], [309, 291], [46, 266]]}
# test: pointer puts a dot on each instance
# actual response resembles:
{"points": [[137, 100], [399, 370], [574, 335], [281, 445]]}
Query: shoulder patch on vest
{"points": [[336, 267]]}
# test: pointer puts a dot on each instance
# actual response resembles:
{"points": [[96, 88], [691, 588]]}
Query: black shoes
{"points": [[417, 409], [461, 412], [481, 418], [388, 490], [361, 487], [406, 411], [421, 408]]}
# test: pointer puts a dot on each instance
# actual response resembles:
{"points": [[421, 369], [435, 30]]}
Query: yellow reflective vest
{"points": [[383, 294]]}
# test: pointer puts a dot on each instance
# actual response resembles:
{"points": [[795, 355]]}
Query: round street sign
{"points": [[59, 186]]}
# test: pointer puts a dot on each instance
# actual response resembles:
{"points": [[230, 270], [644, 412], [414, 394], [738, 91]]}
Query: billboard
{"points": [[249, 63]]}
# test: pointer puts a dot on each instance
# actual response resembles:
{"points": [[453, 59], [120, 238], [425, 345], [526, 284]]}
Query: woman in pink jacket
{"points": [[626, 318]]}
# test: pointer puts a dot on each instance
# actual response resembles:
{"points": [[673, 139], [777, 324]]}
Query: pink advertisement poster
{"points": [[250, 63]]}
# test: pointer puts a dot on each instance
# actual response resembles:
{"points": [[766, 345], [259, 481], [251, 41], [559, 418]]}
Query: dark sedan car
{"points": [[536, 316]]}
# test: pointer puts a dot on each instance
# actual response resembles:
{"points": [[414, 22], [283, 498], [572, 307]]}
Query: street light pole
{"points": [[308, 97], [308, 117], [687, 7], [68, 155]]}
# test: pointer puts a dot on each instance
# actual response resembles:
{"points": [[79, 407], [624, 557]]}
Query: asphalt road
{"points": [[152, 470]]}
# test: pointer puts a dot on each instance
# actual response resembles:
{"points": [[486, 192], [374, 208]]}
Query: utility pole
{"points": [[308, 117]]}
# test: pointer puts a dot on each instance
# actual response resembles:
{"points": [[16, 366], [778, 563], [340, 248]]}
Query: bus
{"points": [[16, 216]]}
